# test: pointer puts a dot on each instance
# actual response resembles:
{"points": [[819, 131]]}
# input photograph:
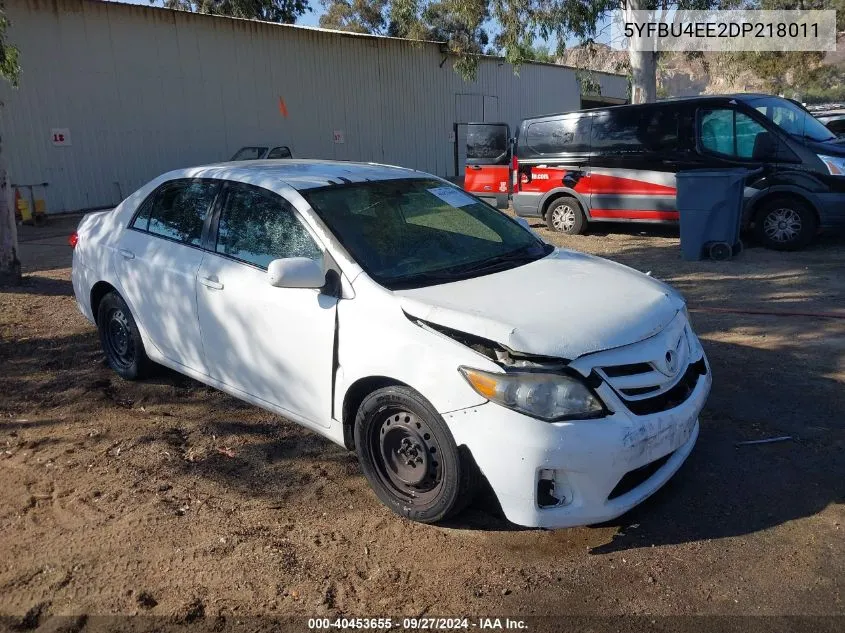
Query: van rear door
{"points": [[488, 172]]}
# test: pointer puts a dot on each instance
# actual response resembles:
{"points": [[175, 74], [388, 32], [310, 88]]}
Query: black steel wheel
{"points": [[121, 339], [409, 456]]}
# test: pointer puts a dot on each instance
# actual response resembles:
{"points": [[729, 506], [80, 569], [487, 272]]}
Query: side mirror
{"points": [[296, 272], [765, 147]]}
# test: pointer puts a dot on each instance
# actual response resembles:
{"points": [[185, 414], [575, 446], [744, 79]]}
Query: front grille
{"points": [[646, 379], [634, 478], [639, 391], [675, 396], [614, 371]]}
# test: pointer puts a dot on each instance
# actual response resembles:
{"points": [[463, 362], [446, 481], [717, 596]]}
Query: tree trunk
{"points": [[10, 267], [643, 63]]}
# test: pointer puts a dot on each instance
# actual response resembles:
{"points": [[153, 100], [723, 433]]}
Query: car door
{"points": [[632, 173], [275, 344], [728, 137], [157, 261], [555, 156], [488, 162]]}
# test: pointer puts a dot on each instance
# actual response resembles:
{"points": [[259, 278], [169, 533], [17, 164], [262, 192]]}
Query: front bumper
{"points": [[831, 207], [587, 459]]}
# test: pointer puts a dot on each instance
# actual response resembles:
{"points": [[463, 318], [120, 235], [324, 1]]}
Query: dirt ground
{"points": [[166, 497]]}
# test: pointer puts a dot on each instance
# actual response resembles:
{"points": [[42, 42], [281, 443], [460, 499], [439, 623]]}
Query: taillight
{"points": [[73, 239], [515, 172]]}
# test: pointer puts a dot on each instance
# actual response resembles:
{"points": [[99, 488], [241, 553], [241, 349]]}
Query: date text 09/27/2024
{"points": [[324, 624]]}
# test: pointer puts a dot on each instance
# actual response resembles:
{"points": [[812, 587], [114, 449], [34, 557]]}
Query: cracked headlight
{"points": [[541, 395]]}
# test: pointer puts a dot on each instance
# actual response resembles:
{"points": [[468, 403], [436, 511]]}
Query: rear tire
{"points": [[121, 339], [785, 223], [564, 215], [409, 457]]}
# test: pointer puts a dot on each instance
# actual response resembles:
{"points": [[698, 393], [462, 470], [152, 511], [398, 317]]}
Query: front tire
{"points": [[121, 339], [565, 215], [409, 457], [785, 224]]}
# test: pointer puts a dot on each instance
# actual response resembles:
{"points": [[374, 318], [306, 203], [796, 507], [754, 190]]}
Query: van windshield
{"points": [[414, 232], [791, 118]]}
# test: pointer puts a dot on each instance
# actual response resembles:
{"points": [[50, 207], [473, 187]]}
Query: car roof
{"points": [[299, 174], [716, 98]]}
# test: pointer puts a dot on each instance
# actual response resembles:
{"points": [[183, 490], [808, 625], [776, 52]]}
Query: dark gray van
{"points": [[619, 164]]}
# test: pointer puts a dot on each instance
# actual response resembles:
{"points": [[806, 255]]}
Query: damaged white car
{"points": [[400, 317]]}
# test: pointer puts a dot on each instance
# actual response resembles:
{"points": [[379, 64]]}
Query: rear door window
{"points": [[559, 136], [178, 210], [634, 130]]}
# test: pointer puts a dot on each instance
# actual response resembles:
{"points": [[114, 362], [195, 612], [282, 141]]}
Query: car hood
{"points": [[833, 147], [565, 305]]}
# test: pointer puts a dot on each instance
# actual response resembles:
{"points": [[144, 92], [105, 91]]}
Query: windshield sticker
{"points": [[452, 196]]}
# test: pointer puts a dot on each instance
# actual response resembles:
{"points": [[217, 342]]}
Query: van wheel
{"points": [[121, 339], [785, 224], [564, 215], [409, 457]]}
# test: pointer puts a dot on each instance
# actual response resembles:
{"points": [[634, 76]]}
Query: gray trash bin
{"points": [[710, 204]]}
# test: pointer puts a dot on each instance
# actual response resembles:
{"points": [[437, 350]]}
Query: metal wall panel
{"points": [[144, 90]]}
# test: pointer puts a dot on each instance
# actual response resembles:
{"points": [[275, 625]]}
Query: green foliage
{"points": [[588, 82], [457, 23], [356, 16], [824, 84], [10, 68], [285, 11]]}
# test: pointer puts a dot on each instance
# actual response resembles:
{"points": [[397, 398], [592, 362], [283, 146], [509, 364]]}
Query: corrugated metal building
{"points": [[112, 95]]}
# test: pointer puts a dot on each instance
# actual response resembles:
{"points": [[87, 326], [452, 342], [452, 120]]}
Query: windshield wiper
{"points": [[519, 255], [423, 278]]}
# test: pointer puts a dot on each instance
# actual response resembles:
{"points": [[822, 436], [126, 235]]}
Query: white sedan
{"points": [[402, 318]]}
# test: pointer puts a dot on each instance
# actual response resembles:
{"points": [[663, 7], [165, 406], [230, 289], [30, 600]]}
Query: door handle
{"points": [[126, 254], [211, 283], [475, 167]]}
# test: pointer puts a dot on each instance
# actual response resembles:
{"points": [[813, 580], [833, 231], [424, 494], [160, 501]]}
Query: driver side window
{"points": [[729, 133], [257, 226]]}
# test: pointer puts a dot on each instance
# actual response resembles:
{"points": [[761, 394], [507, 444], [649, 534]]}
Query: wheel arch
{"points": [[354, 396], [754, 205], [98, 291], [563, 192]]}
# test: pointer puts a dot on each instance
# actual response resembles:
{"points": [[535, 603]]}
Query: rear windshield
{"points": [[487, 144], [414, 232]]}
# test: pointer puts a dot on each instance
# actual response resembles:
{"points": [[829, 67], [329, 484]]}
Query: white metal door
{"points": [[275, 344], [158, 281], [157, 260]]}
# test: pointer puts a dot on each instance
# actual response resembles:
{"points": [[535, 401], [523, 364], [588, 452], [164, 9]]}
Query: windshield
{"points": [[791, 118], [249, 153], [416, 232]]}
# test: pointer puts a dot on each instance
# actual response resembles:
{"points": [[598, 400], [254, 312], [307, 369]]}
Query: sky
{"points": [[311, 18]]}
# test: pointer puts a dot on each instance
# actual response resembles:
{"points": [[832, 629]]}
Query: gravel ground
{"points": [[170, 498]]}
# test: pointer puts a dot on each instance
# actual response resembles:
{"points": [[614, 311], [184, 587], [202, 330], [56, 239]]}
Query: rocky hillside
{"points": [[680, 75]]}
